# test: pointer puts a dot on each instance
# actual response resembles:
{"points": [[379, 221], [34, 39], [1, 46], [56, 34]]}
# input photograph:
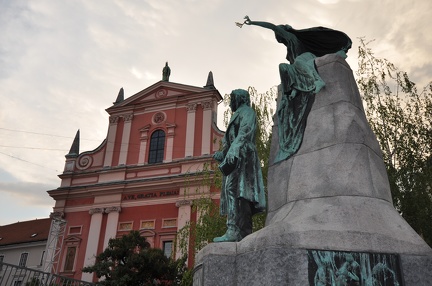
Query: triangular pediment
{"points": [[160, 91], [72, 239]]}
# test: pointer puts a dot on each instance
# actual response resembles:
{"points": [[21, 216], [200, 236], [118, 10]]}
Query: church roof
{"points": [[163, 90]]}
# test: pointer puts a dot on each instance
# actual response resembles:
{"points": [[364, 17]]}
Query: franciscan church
{"points": [[141, 177]]}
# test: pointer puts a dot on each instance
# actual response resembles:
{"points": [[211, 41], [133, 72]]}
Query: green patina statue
{"points": [[243, 192], [166, 72], [300, 79]]}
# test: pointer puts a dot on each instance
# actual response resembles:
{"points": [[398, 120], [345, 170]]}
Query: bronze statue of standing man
{"points": [[243, 192]]}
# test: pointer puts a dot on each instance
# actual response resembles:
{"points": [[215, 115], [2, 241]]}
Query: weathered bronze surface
{"points": [[300, 80], [166, 72], [243, 189], [353, 268]]}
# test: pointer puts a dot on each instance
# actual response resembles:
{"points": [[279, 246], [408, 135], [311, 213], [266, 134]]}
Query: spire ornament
{"points": [[74, 150]]}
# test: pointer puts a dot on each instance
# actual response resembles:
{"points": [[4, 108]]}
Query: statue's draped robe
{"points": [[246, 180], [300, 80]]}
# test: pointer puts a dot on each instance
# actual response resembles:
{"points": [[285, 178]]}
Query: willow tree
{"points": [[400, 115]]}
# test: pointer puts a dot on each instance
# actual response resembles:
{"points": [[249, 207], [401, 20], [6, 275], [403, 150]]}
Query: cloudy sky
{"points": [[62, 64]]}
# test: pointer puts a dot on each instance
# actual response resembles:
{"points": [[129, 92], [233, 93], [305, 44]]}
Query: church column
{"points": [[112, 131], [125, 138], [207, 127], [92, 241], [169, 148], [190, 129], [112, 222], [170, 142], [143, 146], [184, 216]]}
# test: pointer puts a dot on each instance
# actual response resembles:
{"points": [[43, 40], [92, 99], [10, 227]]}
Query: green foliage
{"points": [[263, 105], [209, 224], [130, 261], [401, 118]]}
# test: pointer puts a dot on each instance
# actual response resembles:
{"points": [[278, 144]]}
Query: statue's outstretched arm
{"points": [[266, 25]]}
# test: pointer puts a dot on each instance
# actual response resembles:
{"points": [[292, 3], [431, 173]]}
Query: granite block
{"points": [[417, 270]]}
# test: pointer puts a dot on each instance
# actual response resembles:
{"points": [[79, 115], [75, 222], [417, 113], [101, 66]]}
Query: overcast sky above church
{"points": [[62, 64]]}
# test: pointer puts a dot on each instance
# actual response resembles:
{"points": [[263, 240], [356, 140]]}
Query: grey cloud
{"points": [[29, 193]]}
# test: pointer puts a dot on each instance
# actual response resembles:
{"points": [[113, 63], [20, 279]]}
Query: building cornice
{"points": [[150, 184], [115, 169]]}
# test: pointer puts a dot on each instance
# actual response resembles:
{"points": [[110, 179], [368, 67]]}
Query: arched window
{"points": [[157, 145]]}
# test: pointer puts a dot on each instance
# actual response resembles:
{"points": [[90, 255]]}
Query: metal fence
{"points": [[13, 275]]}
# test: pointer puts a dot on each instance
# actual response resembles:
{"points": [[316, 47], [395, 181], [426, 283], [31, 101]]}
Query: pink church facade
{"points": [[142, 177]]}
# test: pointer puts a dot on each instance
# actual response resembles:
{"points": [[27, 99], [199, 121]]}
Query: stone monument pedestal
{"points": [[330, 213]]}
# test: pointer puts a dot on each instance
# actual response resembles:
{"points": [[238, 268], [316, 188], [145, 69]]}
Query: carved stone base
{"points": [[220, 264]]}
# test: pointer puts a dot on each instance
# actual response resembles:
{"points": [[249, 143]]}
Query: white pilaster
{"points": [[92, 241], [169, 142], [206, 127], [112, 222], [125, 139], [169, 149], [112, 131], [143, 145], [184, 216], [190, 129]]}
